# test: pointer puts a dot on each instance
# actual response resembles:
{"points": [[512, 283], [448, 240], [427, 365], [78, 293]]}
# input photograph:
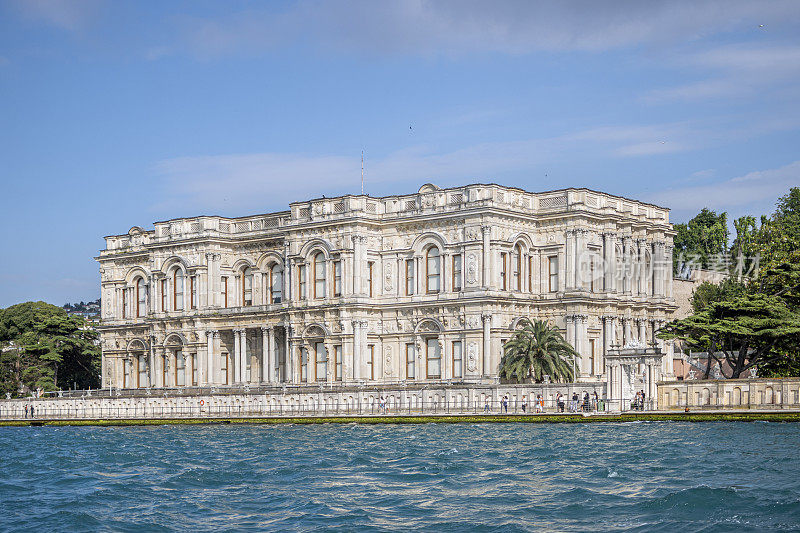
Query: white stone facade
{"points": [[422, 287]]}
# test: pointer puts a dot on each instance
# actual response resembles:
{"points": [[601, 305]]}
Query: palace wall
{"points": [[355, 289]]}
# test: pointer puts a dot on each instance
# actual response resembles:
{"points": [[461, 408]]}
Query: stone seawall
{"points": [[296, 401], [730, 394]]}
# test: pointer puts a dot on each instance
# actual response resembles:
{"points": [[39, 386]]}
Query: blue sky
{"points": [[117, 114]]}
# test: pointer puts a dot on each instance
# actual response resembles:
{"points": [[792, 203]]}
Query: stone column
{"points": [[210, 355], [356, 349], [266, 354], [642, 330], [487, 256], [608, 261], [583, 343], [237, 348], [357, 260], [580, 260], [658, 269], [210, 299], [569, 260], [487, 344], [668, 270], [569, 321], [626, 330], [289, 354], [288, 277], [642, 267], [243, 354], [608, 336]]}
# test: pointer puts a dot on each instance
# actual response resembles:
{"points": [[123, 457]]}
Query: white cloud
{"points": [[739, 70], [752, 193], [70, 15], [468, 26]]}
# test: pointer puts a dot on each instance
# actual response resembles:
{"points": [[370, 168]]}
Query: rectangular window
{"points": [[321, 354], [530, 274], [410, 359], [193, 292], [434, 358], [457, 268], [193, 362], [591, 357], [303, 365], [276, 284], [247, 287], [319, 276], [223, 369], [433, 270], [337, 278], [370, 268], [224, 291], [591, 274], [337, 355], [141, 298], [180, 369], [124, 303], [177, 290], [410, 277], [552, 271], [163, 295], [503, 271], [371, 361], [458, 361], [516, 266], [301, 280]]}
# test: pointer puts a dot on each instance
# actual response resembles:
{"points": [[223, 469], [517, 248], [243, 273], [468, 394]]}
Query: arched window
{"points": [[434, 267], [319, 275], [141, 298], [177, 289], [516, 268], [247, 286], [276, 283]]}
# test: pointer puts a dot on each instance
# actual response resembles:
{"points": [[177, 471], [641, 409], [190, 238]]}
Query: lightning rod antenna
{"points": [[362, 171]]}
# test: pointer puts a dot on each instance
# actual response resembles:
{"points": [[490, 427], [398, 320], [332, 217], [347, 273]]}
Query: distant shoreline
{"points": [[770, 416]]}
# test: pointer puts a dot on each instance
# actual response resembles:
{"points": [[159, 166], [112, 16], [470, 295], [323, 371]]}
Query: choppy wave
{"points": [[433, 477]]}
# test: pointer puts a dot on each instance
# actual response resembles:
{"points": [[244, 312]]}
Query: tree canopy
{"points": [[753, 318], [702, 239], [536, 350], [45, 348]]}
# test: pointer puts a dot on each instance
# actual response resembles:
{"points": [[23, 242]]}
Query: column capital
{"points": [[486, 228], [486, 317]]}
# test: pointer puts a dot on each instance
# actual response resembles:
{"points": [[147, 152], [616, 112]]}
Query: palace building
{"points": [[421, 287]]}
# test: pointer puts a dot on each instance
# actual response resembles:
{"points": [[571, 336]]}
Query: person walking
{"points": [[505, 404], [560, 402], [539, 404], [486, 406], [26, 410], [524, 404], [595, 400], [585, 401], [32, 411]]}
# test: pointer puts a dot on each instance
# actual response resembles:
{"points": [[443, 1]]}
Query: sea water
{"points": [[652, 476]]}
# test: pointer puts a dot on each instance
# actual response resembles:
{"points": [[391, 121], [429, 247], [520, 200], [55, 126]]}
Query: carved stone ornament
{"points": [[473, 322], [472, 269], [387, 367], [387, 277], [472, 356]]}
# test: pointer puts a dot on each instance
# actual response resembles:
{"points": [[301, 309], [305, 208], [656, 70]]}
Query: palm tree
{"points": [[535, 350]]}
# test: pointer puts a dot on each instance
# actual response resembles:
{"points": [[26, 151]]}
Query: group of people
{"points": [[638, 401], [589, 402], [29, 409]]}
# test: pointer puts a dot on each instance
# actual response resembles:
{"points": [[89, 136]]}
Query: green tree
{"points": [[778, 240], [701, 240], [536, 350], [750, 330], [46, 347]]}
